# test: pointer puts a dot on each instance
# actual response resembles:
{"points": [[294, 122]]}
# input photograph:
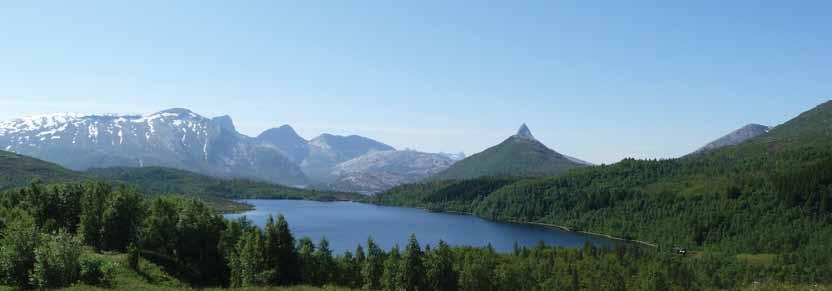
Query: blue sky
{"points": [[599, 80]]}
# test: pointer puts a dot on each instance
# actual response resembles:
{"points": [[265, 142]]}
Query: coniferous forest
{"points": [[53, 233]]}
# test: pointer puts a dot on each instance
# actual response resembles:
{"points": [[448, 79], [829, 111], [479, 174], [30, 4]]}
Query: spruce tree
{"points": [[391, 278], [413, 269], [373, 266]]}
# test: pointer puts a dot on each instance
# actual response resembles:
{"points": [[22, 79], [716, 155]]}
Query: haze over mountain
{"points": [[382, 170], [175, 138], [327, 150], [735, 137], [179, 138], [519, 155]]}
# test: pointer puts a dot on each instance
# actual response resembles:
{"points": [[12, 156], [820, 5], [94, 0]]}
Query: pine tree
{"points": [[413, 269], [442, 276], [288, 254], [391, 278], [373, 266], [308, 263], [325, 263]]}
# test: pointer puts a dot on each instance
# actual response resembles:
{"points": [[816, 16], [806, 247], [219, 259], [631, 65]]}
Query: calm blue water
{"points": [[347, 224]]}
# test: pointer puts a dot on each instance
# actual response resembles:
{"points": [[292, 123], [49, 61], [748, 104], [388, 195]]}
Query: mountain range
{"points": [[181, 139]]}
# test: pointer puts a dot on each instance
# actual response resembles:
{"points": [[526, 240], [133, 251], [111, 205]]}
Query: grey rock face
{"points": [[287, 141], [326, 151], [736, 137], [382, 170], [176, 138], [524, 132]]}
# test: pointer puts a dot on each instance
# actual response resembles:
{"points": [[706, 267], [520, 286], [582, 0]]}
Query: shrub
{"points": [[56, 261], [95, 271], [17, 248]]}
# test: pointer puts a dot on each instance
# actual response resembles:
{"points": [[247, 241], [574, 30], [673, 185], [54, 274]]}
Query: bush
{"points": [[17, 248], [56, 261], [133, 256], [95, 271]]}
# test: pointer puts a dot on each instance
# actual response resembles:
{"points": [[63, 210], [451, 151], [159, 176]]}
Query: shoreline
{"points": [[561, 227]]}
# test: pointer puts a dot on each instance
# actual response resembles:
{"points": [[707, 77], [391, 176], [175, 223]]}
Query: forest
{"points": [[52, 233], [768, 197]]}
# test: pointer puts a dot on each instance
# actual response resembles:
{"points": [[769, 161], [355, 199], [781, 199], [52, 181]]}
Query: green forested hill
{"points": [[516, 156], [17, 170], [172, 181], [771, 194]]}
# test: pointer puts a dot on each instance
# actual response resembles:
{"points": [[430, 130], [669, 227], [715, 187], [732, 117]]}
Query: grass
{"points": [[149, 276], [786, 287], [757, 259]]}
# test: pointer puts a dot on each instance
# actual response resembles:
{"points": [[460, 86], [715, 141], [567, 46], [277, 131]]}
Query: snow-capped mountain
{"points": [[176, 138], [179, 138], [382, 170]]}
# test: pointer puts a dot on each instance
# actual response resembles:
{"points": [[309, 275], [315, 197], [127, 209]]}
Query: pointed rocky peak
{"points": [[225, 122], [524, 132]]}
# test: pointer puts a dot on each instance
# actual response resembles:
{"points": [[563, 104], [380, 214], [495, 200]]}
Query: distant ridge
{"points": [[735, 137]]}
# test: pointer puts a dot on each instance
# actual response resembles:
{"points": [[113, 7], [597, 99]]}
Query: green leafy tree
{"points": [[250, 262], [92, 212], [17, 248], [122, 218], [159, 232], [56, 261]]}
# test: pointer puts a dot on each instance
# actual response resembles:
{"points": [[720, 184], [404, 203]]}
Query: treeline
{"points": [[49, 233]]}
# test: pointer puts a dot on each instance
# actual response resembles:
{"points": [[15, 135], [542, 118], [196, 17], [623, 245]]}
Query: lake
{"points": [[347, 224]]}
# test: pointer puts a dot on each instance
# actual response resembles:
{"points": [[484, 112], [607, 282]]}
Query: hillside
{"points": [[735, 137], [771, 194], [160, 181], [18, 170], [521, 155]]}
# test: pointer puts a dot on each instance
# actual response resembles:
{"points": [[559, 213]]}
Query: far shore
{"points": [[561, 227]]}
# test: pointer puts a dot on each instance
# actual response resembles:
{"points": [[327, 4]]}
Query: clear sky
{"points": [[599, 80]]}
